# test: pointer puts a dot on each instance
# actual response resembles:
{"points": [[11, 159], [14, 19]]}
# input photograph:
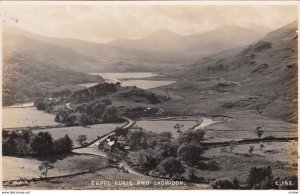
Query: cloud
{"points": [[107, 22]]}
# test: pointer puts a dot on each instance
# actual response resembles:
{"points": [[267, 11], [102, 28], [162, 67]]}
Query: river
{"points": [[131, 79]]}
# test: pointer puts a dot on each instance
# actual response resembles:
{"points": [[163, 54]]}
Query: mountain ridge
{"points": [[261, 77]]}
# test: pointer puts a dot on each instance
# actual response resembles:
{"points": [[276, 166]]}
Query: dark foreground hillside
{"points": [[33, 69]]}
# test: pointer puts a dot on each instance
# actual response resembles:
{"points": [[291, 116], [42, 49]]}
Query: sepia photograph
{"points": [[140, 95]]}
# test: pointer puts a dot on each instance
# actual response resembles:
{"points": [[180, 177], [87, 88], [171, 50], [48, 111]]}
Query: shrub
{"points": [[212, 165], [259, 132], [81, 139], [63, 145], [191, 137], [9, 146], [170, 166], [190, 153], [42, 144], [224, 183], [251, 149], [40, 105], [44, 167], [257, 175]]}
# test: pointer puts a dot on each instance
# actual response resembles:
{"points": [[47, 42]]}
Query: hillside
{"points": [[86, 56], [261, 77], [105, 102], [222, 38], [33, 69]]}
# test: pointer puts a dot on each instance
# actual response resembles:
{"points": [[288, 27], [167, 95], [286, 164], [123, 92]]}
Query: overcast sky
{"points": [[104, 23]]}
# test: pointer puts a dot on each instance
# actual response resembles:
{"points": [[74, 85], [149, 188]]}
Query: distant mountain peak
{"points": [[162, 33], [231, 27]]}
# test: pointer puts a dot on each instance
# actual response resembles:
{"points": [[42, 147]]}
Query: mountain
{"points": [[33, 68], [87, 56], [161, 41], [261, 77], [222, 38], [109, 57]]}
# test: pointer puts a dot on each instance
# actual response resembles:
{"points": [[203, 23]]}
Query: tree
{"points": [[40, 105], [5, 134], [259, 132], [42, 144], [190, 153], [178, 128], [191, 137], [261, 146], [267, 183], [251, 149], [146, 161], [223, 183], [9, 146], [81, 139], [191, 174], [121, 132], [44, 167], [259, 174], [110, 114], [63, 145], [27, 135], [83, 119], [137, 139], [118, 84], [231, 145], [236, 184], [170, 166]]}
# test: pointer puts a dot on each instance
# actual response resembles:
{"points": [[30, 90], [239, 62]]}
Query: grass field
{"points": [[243, 124], [24, 117], [90, 131], [165, 126], [114, 179], [17, 168], [227, 135], [282, 156]]}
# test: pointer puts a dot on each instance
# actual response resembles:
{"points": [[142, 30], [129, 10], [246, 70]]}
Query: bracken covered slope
{"points": [[261, 77]]}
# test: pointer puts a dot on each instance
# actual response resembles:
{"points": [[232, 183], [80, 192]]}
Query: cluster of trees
{"points": [[140, 111], [27, 143], [94, 92], [97, 111], [258, 178], [157, 153], [140, 93]]}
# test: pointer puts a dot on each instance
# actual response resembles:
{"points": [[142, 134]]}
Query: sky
{"points": [[103, 23]]}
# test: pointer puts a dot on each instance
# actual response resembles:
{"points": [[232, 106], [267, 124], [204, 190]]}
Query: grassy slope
{"points": [[259, 79], [17, 168], [238, 163]]}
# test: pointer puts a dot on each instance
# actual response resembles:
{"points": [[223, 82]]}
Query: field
{"points": [[17, 168], [24, 117], [282, 156], [226, 135], [90, 131], [165, 126], [111, 178]]}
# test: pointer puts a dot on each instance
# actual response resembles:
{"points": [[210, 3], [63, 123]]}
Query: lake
{"points": [[131, 79]]}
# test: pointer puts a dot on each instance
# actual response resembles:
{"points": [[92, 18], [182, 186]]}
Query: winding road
{"points": [[93, 148]]}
